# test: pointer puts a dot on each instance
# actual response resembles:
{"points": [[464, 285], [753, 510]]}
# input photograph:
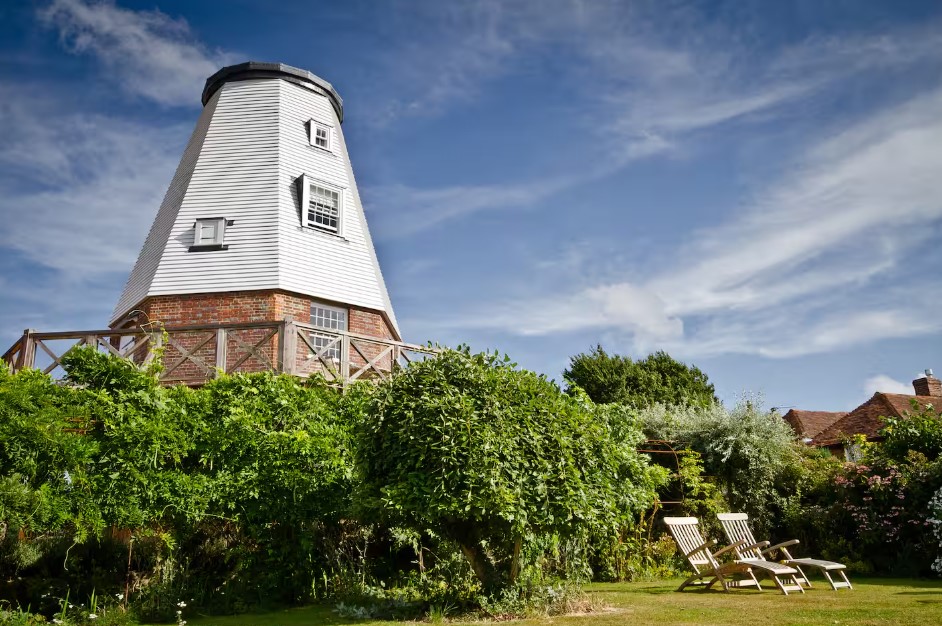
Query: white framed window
{"points": [[319, 135], [209, 233], [328, 318], [321, 205]]}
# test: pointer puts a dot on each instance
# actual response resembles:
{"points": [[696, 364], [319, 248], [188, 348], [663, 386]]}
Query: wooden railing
{"points": [[194, 354]]}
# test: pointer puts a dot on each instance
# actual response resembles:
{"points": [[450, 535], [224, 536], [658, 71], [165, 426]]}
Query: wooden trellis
{"points": [[672, 451]]}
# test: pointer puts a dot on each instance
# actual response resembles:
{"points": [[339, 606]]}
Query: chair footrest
{"points": [[818, 563], [769, 566]]}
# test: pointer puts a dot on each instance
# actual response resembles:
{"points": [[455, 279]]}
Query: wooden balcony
{"points": [[192, 355]]}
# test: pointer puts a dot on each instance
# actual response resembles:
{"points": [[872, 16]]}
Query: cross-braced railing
{"points": [[194, 354]]}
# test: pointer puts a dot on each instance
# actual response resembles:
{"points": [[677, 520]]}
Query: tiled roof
{"points": [[865, 419], [811, 423], [902, 402]]}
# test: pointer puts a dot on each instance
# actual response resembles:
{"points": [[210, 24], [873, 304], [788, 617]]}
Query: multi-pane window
{"points": [[319, 135], [328, 318], [321, 139], [323, 208], [321, 204]]}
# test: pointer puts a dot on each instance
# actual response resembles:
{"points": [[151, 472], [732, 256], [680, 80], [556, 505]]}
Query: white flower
{"points": [[181, 604], [119, 596], [56, 620], [92, 616]]}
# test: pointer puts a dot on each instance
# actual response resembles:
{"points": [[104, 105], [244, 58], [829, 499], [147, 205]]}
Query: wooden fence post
{"points": [[27, 355], [288, 341], [344, 359], [222, 351]]}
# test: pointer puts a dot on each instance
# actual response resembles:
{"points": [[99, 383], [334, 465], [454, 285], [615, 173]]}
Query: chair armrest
{"points": [[784, 544], [756, 546], [706, 545], [728, 548]]}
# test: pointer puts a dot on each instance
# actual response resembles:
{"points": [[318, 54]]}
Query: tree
{"points": [[748, 451], [485, 455], [657, 379]]}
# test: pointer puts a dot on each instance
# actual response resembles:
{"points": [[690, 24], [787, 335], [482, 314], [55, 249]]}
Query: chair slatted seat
{"points": [[736, 528], [708, 570]]}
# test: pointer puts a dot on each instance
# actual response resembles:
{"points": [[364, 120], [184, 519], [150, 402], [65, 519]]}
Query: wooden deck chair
{"points": [[738, 573], [736, 527]]}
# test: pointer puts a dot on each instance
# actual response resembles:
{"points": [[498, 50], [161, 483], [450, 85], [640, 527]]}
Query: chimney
{"points": [[928, 385]]}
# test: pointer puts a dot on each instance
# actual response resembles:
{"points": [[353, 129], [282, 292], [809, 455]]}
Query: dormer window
{"points": [[319, 135], [320, 205], [209, 234]]}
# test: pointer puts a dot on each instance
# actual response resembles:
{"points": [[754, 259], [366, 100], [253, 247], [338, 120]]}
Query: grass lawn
{"points": [[873, 601]]}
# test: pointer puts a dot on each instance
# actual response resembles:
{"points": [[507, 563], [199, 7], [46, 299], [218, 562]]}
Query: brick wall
{"points": [[366, 322], [245, 307], [214, 308], [292, 307], [211, 308], [252, 306]]}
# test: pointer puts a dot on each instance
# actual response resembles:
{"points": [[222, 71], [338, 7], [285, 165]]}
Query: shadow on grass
{"points": [[661, 590], [919, 583], [938, 592], [312, 614]]}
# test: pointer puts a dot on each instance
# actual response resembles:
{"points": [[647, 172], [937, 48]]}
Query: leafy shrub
{"points": [[241, 484], [488, 456], [918, 430], [45, 482]]}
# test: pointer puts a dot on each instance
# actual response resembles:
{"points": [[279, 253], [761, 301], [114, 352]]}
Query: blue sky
{"points": [[754, 187]]}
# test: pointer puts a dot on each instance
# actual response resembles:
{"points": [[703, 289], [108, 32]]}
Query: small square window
{"points": [[209, 234], [319, 135]]}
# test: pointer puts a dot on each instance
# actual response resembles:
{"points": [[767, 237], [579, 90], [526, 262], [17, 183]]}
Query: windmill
{"points": [[262, 220]]}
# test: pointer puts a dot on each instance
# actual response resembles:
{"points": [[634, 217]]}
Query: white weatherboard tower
{"points": [[262, 220]]}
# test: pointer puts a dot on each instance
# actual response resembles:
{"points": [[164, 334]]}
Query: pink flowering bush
{"points": [[882, 514], [876, 514], [935, 511]]}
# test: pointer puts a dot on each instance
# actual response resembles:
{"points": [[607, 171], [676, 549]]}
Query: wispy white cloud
{"points": [[79, 190], [457, 48], [151, 54], [795, 272], [407, 210], [646, 90], [886, 384]]}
